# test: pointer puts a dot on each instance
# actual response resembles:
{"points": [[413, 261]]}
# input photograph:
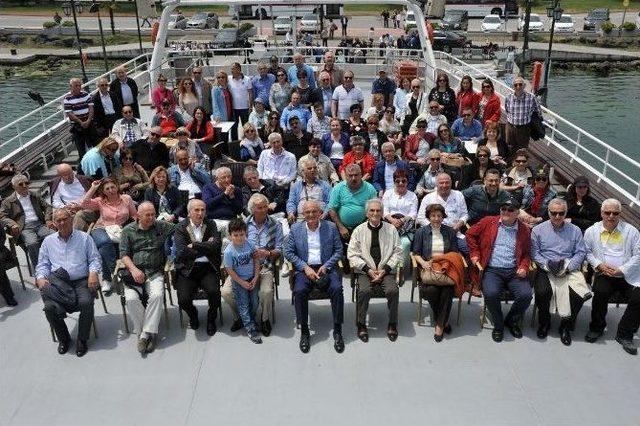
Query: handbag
{"points": [[114, 232], [437, 275], [536, 127]]}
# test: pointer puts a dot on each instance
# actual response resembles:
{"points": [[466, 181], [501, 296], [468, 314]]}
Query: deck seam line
{"points": [[195, 386]]}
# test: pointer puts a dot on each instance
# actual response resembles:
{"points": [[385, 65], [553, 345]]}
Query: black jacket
{"points": [[100, 120], [115, 87], [149, 158], [176, 206], [585, 215], [185, 256]]}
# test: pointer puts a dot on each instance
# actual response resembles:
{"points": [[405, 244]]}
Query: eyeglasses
{"points": [[561, 213], [103, 85], [611, 213], [435, 159], [220, 76], [434, 106], [508, 209], [401, 181], [348, 78], [155, 134], [521, 161], [518, 84], [128, 158], [389, 111], [280, 74], [273, 118], [23, 184], [196, 72], [481, 155]]}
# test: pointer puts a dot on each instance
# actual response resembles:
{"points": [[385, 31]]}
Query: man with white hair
{"points": [[613, 250], [558, 249], [306, 189], [265, 234], [67, 188], [223, 199], [298, 65], [129, 129], [106, 108], [197, 243], [276, 164], [78, 107], [375, 252], [142, 250], [126, 90], [520, 106], [26, 215]]}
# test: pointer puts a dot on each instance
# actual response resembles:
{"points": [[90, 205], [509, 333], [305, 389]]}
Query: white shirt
{"points": [[346, 98], [406, 205], [337, 150], [187, 184], [107, 104], [240, 92], [313, 242], [454, 206], [389, 170], [67, 193], [29, 211], [127, 94], [198, 234]]}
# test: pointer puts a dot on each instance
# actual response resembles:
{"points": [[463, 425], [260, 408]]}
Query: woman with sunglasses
{"points": [[488, 104], [466, 97], [535, 199], [416, 103], [161, 92], [400, 97], [373, 137], [187, 98], [497, 146], [131, 177], [447, 143], [474, 173], [519, 176], [272, 125], [221, 99], [583, 210], [446, 97], [280, 92], [251, 145], [358, 155]]}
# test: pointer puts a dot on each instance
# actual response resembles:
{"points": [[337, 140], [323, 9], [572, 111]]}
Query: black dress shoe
{"points": [[543, 331], [237, 325], [266, 328], [81, 348], [497, 335], [338, 342], [592, 336], [565, 336], [438, 337], [363, 333], [12, 302], [63, 347], [211, 325], [627, 345], [514, 329], [305, 343]]}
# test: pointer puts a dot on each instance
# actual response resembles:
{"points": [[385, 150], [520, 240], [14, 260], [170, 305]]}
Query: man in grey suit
{"points": [[314, 248], [202, 88]]}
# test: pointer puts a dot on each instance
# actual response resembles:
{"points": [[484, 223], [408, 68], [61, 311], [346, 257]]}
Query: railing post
{"points": [[19, 135], [606, 163], [576, 151]]}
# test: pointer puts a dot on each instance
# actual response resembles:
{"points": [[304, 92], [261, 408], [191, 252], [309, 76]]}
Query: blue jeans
{"points": [[493, 282], [107, 250], [247, 303]]}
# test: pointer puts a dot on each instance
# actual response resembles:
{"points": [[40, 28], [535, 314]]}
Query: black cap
{"points": [[511, 203], [580, 181]]}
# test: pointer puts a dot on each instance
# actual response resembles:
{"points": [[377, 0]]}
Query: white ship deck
{"points": [[192, 379]]}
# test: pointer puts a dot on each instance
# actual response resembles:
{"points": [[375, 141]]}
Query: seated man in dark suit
{"points": [[254, 185], [314, 247], [197, 242]]}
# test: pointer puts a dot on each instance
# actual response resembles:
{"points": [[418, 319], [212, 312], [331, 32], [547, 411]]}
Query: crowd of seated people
{"points": [[316, 160]]}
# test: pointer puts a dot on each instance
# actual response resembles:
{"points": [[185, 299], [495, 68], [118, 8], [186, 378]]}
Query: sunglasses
{"points": [[23, 184], [188, 83], [373, 122], [131, 112], [562, 213], [508, 209], [540, 179], [103, 85], [482, 155], [421, 126], [162, 81], [611, 213], [128, 158], [442, 81], [434, 106], [348, 78], [389, 111], [249, 131], [486, 87], [273, 118], [280, 74], [401, 181], [443, 130], [196, 72], [518, 84], [521, 161]]}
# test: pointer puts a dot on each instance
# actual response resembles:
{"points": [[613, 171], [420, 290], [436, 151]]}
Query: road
{"points": [[361, 23]]}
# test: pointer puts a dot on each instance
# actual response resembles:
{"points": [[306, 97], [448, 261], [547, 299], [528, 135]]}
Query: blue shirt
{"points": [[262, 86], [292, 74], [504, 248], [240, 259], [465, 132], [259, 236], [290, 111], [78, 256], [550, 243]]}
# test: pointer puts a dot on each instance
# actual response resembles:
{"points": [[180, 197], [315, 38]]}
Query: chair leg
{"points": [[483, 316], [459, 310], [53, 334], [104, 305], [166, 312], [24, 287], [273, 310], [275, 290], [123, 302], [419, 312], [221, 320], [168, 288], [413, 289], [469, 299]]}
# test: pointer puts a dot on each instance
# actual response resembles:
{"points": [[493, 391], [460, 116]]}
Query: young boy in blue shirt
{"points": [[244, 271]]}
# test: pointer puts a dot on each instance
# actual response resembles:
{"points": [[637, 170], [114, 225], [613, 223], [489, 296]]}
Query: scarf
{"points": [[251, 145], [537, 200]]}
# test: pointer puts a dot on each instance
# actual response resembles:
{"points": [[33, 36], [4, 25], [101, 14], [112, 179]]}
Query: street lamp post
{"points": [[67, 9], [554, 12], [95, 7]]}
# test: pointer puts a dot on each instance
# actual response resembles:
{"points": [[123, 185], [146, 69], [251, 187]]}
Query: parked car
{"points": [[492, 23], [203, 20], [565, 24], [410, 20], [177, 21], [283, 24], [228, 38], [595, 18], [535, 22], [447, 40], [455, 19], [310, 23]]}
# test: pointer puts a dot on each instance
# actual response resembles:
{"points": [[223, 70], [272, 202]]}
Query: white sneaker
{"points": [[106, 286]]}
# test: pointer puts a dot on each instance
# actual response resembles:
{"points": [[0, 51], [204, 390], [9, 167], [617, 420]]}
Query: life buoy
{"points": [[154, 32]]}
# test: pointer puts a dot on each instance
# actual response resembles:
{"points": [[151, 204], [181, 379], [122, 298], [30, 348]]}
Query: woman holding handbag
{"points": [[115, 211], [432, 243]]}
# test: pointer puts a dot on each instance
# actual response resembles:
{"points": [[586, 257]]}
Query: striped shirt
{"points": [[520, 108], [78, 104], [503, 254]]}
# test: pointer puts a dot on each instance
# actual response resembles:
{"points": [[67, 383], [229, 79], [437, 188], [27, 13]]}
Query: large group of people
{"points": [[423, 177]]}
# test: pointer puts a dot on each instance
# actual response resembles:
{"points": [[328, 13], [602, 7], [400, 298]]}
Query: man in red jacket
{"points": [[500, 248]]}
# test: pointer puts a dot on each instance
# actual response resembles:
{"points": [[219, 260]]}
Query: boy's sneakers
{"points": [[255, 337]]}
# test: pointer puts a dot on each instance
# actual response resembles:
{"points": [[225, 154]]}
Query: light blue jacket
{"points": [[218, 107]]}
